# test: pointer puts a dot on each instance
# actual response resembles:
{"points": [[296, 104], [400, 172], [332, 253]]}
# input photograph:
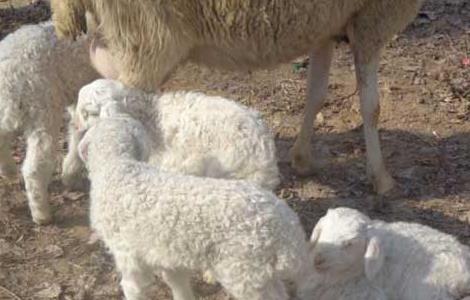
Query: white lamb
{"points": [[39, 77], [409, 261], [192, 133], [156, 221]]}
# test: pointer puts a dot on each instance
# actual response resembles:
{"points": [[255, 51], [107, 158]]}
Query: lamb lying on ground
{"points": [[409, 261], [153, 220], [39, 77], [192, 133]]}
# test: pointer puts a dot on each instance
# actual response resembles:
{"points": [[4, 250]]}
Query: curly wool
{"points": [[192, 133], [409, 261], [248, 239], [40, 76]]}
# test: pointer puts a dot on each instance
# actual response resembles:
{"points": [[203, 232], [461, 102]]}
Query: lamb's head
{"points": [[114, 137], [341, 246], [92, 97]]}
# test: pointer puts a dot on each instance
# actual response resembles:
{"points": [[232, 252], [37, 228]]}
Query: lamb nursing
{"points": [[145, 41]]}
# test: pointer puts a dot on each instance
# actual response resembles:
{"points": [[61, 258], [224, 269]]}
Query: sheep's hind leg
{"points": [[318, 73], [7, 163], [366, 73], [37, 170], [179, 282]]}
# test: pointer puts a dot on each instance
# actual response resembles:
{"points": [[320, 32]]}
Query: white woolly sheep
{"points": [[39, 77], [152, 220], [408, 261], [359, 288], [192, 133], [149, 39]]}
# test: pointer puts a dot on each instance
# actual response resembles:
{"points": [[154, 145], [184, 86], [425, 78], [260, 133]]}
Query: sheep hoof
{"points": [[383, 184], [42, 218], [302, 163]]}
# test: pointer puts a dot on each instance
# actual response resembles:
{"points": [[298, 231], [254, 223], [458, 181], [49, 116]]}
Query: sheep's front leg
{"points": [[318, 72], [135, 278], [179, 282], [72, 166], [7, 164], [37, 170], [366, 73]]}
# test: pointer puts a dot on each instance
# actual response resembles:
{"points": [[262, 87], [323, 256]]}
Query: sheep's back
{"points": [[190, 221]]}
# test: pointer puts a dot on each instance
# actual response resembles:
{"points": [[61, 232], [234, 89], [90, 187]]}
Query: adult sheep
{"points": [[149, 38]]}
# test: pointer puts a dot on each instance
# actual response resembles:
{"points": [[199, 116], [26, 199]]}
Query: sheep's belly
{"points": [[248, 58]]}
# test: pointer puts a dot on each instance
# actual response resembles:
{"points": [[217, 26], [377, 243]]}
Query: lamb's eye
{"points": [[346, 244], [85, 114]]}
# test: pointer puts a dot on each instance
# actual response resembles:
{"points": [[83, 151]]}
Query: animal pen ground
{"points": [[425, 133]]}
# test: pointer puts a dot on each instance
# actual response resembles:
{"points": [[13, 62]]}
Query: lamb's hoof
{"points": [[93, 239], [383, 184], [208, 278], [42, 218]]}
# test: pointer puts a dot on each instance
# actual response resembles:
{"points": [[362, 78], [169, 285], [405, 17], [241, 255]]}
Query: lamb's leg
{"points": [[37, 170], [7, 164], [72, 166], [179, 282], [366, 73], [318, 71], [135, 278]]}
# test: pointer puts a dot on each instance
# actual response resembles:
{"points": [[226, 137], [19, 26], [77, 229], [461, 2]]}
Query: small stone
{"points": [[53, 291], [320, 119]]}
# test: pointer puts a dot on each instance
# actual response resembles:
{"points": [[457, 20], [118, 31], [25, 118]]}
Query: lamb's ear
{"points": [[83, 149], [316, 234], [373, 258]]}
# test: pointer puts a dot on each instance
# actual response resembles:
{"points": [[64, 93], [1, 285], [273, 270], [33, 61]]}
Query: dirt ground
{"points": [[425, 131]]}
